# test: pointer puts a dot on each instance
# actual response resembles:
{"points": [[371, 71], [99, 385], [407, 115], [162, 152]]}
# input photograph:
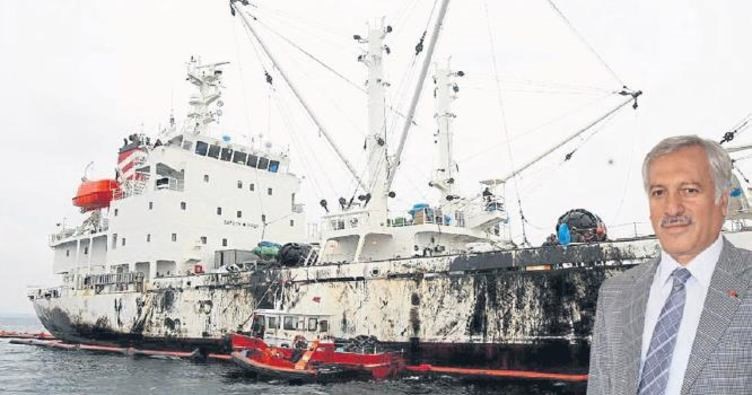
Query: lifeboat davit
{"points": [[94, 195]]}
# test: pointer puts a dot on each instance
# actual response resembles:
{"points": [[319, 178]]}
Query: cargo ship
{"points": [[195, 233]]}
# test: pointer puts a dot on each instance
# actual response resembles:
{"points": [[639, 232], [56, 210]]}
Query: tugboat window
{"points": [[206, 178], [203, 239], [214, 151], [274, 166], [273, 323], [312, 324], [252, 160], [252, 187], [187, 145], [182, 205], [263, 163], [174, 237], [239, 157], [201, 148], [289, 323], [224, 242], [219, 210], [240, 214], [323, 326], [240, 184], [269, 191], [301, 324], [148, 237]]}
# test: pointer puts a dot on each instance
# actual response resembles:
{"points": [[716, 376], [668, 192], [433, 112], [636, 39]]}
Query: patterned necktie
{"points": [[658, 359]]}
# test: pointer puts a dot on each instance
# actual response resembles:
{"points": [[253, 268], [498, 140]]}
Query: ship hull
{"points": [[525, 309], [544, 355]]}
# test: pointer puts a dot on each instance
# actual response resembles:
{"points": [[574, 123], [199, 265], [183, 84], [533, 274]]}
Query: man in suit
{"points": [[681, 323]]}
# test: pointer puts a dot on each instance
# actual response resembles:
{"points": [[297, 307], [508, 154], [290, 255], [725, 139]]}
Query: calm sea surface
{"points": [[34, 370]]}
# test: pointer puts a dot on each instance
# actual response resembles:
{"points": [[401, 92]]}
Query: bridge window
{"points": [[312, 323], [274, 166], [239, 157], [252, 160], [301, 324], [201, 148], [214, 151], [273, 322], [323, 326], [263, 163], [289, 323], [226, 154]]}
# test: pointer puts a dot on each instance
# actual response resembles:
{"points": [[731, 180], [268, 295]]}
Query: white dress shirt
{"points": [[701, 268]]}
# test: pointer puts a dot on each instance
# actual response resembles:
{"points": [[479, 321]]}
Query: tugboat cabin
{"points": [[281, 328]]}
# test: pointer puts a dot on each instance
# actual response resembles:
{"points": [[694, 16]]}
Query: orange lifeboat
{"points": [[94, 195]]}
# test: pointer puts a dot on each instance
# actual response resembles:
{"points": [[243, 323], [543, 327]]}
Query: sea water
{"points": [[34, 370]]}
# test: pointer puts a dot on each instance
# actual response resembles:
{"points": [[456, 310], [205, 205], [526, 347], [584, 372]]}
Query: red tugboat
{"points": [[311, 355]]}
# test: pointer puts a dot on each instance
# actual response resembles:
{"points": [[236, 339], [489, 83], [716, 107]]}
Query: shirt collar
{"points": [[701, 267]]}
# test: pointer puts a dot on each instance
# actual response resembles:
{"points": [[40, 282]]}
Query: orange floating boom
{"points": [[518, 374]]}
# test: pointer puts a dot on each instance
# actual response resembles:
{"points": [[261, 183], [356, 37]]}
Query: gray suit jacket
{"points": [[721, 357]]}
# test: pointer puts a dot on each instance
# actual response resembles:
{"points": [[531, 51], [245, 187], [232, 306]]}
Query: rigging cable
{"points": [[287, 120], [534, 129], [311, 56], [582, 39], [269, 78], [504, 122]]}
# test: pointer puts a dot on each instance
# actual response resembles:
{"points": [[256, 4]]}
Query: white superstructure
{"points": [[181, 201]]}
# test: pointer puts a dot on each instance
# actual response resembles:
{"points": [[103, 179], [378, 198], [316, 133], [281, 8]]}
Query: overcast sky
{"points": [[79, 75]]}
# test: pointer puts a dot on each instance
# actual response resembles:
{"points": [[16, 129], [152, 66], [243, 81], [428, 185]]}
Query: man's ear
{"points": [[724, 202]]}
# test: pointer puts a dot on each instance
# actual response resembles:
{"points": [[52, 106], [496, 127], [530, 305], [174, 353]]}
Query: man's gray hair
{"points": [[720, 162]]}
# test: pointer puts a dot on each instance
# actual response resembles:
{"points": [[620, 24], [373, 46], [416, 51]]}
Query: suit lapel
{"points": [[727, 288], [634, 323]]}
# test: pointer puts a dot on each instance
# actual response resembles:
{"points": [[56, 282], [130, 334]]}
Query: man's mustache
{"points": [[677, 220]]}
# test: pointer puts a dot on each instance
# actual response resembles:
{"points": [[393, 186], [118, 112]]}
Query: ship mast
{"points": [[378, 167], [445, 92], [208, 79]]}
